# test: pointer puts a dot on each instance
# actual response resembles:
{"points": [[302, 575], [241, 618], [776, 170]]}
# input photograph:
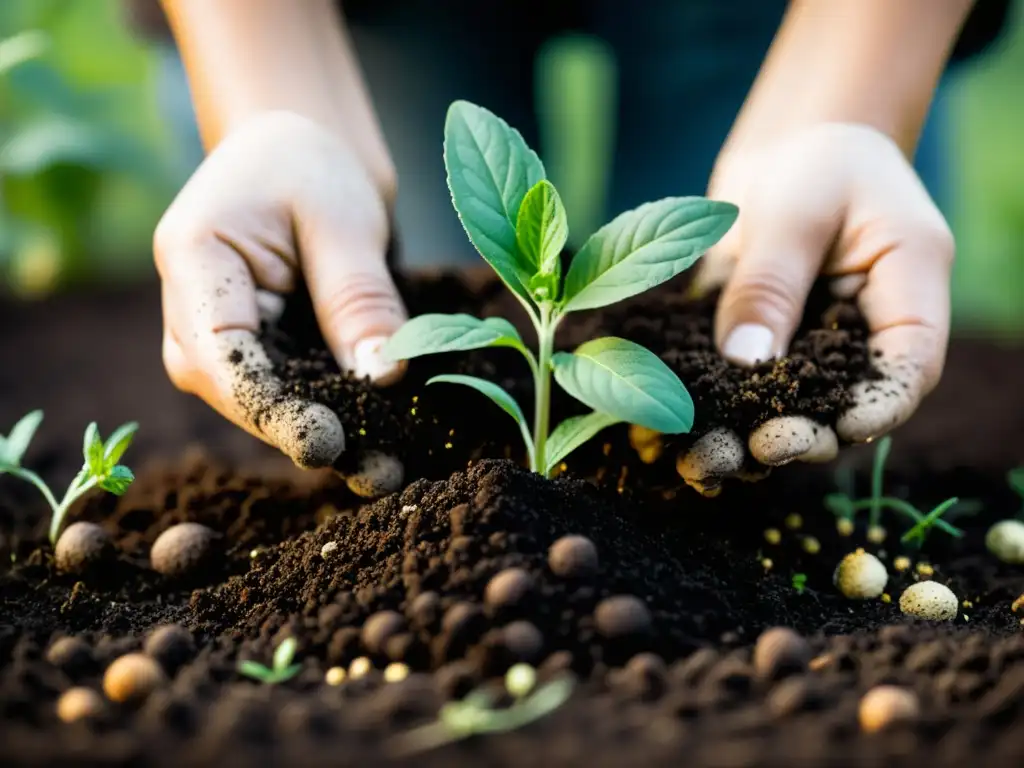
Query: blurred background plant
{"points": [[92, 150]]}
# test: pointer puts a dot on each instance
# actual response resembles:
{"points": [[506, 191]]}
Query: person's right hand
{"points": [[278, 196]]}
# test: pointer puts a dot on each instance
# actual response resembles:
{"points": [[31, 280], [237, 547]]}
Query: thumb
{"points": [[763, 299], [357, 305]]}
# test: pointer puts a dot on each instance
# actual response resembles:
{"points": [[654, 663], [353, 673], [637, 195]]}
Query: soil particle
{"points": [[380, 628], [171, 645], [573, 557], [622, 616], [72, 655], [779, 652]]}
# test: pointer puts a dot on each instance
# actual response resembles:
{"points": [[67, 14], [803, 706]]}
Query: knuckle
{"points": [[765, 293], [361, 297]]}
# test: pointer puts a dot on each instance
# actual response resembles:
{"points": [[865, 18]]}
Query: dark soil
{"points": [[677, 574]]}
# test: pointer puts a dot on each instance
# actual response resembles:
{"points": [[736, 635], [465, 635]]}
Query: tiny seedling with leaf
{"points": [[515, 219], [281, 669], [101, 468], [799, 582], [1015, 479], [477, 714]]}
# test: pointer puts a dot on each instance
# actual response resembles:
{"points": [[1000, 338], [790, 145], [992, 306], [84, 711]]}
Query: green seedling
{"points": [[281, 669], [800, 582], [515, 219], [477, 714], [101, 468], [1015, 479], [920, 530]]}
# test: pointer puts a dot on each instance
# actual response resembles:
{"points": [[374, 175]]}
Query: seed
{"points": [[335, 676], [885, 705], [886, 598], [622, 616], [924, 569], [794, 521], [71, 654], [1005, 540], [328, 549], [573, 557], [779, 652], [171, 645], [181, 549], [844, 526], [811, 545], [425, 609], [81, 547], [645, 675], [767, 563], [929, 600], [79, 704], [132, 677], [901, 563], [523, 640], [860, 576], [507, 588], [378, 475], [520, 679], [772, 535], [395, 672], [379, 628], [360, 667]]}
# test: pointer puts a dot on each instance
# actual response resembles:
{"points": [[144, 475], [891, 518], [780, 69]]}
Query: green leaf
{"points": [[118, 443], [117, 480], [542, 228], [627, 381], [574, 432], [434, 334], [287, 673], [840, 505], [643, 248], [1015, 478], [490, 170], [13, 448], [487, 388], [92, 450], [20, 48], [254, 669], [284, 653]]}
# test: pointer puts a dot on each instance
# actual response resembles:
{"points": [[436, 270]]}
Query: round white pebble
{"points": [[929, 600], [860, 576], [1005, 540], [328, 549]]}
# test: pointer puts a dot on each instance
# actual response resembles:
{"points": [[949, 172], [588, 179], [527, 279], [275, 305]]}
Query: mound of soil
{"points": [[455, 576]]}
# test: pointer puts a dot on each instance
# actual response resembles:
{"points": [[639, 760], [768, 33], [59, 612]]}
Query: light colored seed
{"points": [[772, 535], [79, 704], [520, 679], [360, 667], [132, 677], [811, 545], [844, 526], [767, 563], [860, 576], [335, 676], [794, 521], [395, 672], [924, 569], [929, 600], [1005, 540], [901, 563], [877, 534], [885, 705], [328, 549]]}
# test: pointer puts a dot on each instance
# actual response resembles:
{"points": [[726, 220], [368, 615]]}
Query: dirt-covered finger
{"points": [[791, 438], [882, 404], [715, 456]]}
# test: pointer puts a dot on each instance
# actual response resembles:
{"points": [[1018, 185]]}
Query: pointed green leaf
{"points": [[92, 450], [627, 381], [487, 388], [434, 334], [643, 248], [285, 674], [284, 653], [117, 480], [12, 449], [118, 443], [542, 228], [254, 669], [490, 170], [574, 432], [21, 47], [1015, 478], [840, 505]]}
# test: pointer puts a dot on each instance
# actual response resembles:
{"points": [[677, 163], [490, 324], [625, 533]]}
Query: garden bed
{"points": [[696, 566]]}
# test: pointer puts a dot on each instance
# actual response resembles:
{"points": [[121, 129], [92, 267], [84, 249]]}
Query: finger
{"points": [[714, 271], [791, 438], [356, 301], [715, 456], [378, 474]]}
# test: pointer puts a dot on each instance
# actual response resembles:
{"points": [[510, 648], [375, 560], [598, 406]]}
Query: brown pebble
{"points": [[885, 705], [794, 695], [171, 645], [523, 640], [573, 557], [507, 588], [181, 549], [780, 652], [462, 617], [80, 704], [132, 677], [379, 628], [70, 654], [425, 610], [645, 675], [81, 547], [622, 616]]}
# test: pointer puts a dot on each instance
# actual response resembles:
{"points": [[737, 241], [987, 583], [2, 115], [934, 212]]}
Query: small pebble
{"points": [[181, 549], [773, 535], [622, 616], [80, 704], [901, 563], [573, 557], [646, 675], [395, 672], [780, 652], [520, 679], [131, 678], [171, 645], [360, 667], [379, 628], [81, 547], [523, 640], [929, 600], [885, 705], [425, 609], [328, 549], [793, 695], [844, 526], [335, 676], [1005, 540], [860, 576], [811, 545], [877, 534], [378, 475], [924, 569], [507, 588], [794, 521], [70, 654]]}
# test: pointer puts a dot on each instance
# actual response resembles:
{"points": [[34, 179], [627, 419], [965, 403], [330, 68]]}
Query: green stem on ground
{"points": [[542, 404], [81, 485]]}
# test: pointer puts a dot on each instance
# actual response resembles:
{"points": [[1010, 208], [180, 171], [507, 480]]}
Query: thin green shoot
{"points": [[281, 669], [1015, 479], [919, 532], [882, 451], [100, 469], [799, 582]]}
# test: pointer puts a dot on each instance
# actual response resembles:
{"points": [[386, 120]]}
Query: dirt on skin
{"points": [[696, 568]]}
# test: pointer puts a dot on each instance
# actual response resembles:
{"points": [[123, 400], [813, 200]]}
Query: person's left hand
{"points": [[843, 201]]}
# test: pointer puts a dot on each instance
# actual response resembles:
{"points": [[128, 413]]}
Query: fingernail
{"points": [[369, 361], [749, 343]]}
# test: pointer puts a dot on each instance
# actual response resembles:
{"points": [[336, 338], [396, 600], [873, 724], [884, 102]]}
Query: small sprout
{"points": [[101, 468], [876, 534], [80, 704], [886, 598], [395, 672], [772, 535], [800, 582], [929, 600], [335, 676], [1015, 479], [920, 530], [520, 680], [844, 526], [281, 670], [794, 521], [860, 576], [1005, 540], [901, 563], [885, 705], [360, 667], [132, 678], [811, 545]]}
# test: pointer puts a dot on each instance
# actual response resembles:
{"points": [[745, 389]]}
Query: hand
{"points": [[277, 196], [839, 200]]}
